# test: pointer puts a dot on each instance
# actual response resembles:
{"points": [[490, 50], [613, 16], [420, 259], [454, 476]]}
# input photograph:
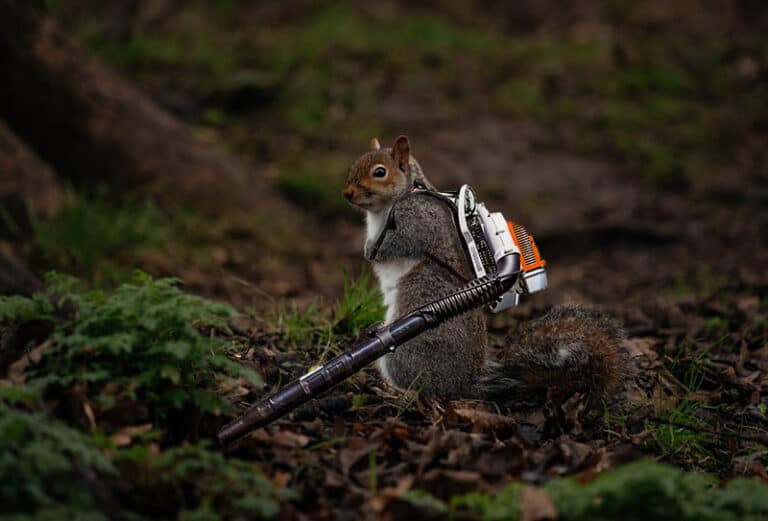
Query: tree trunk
{"points": [[25, 180], [94, 127]]}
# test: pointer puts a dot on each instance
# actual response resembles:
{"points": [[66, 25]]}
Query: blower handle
{"points": [[476, 293]]}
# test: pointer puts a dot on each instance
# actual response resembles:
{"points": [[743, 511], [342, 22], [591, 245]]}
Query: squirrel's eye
{"points": [[379, 171]]}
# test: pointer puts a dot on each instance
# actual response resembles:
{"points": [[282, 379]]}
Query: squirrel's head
{"points": [[380, 175]]}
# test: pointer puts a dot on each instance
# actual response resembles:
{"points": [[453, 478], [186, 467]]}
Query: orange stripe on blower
{"points": [[530, 258]]}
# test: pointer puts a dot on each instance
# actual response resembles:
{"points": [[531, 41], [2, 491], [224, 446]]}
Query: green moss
{"points": [[635, 491], [648, 490], [211, 485], [57, 468], [501, 507]]}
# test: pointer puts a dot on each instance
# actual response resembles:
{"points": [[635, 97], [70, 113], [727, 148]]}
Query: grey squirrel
{"points": [[417, 255]]}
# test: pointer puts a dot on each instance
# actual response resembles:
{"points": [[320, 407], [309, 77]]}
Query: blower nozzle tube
{"points": [[477, 293]]}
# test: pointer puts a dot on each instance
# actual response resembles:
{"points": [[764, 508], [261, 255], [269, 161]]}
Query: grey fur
{"points": [[571, 349], [422, 224], [447, 361]]}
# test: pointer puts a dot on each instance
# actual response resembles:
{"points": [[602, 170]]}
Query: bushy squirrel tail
{"points": [[570, 349]]}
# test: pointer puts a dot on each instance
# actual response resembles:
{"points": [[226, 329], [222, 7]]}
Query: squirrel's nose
{"points": [[349, 192]]}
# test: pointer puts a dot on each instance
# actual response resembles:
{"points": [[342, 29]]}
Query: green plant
{"points": [[47, 468], [56, 470], [410, 395], [139, 344], [18, 309], [616, 417], [680, 434], [146, 346], [358, 401], [360, 306], [715, 327], [689, 364], [299, 325]]}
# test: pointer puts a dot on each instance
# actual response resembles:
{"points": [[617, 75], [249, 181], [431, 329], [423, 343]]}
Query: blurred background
{"points": [[210, 140]]}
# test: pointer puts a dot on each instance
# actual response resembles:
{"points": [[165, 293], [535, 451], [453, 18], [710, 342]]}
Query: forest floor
{"points": [[629, 140]]}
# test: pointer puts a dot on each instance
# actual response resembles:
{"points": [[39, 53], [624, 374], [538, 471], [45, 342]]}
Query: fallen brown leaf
{"points": [[280, 479], [290, 439], [124, 436], [16, 371], [536, 505], [281, 438], [354, 450], [485, 421], [575, 453], [88, 410]]}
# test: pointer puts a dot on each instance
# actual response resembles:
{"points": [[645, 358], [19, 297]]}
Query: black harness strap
{"points": [[390, 224], [447, 267]]}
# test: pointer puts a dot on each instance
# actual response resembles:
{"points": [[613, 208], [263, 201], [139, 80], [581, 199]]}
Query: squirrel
{"points": [[417, 255]]}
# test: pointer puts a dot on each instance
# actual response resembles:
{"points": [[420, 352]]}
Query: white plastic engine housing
{"points": [[488, 238]]}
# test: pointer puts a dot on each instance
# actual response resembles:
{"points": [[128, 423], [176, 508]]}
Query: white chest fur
{"points": [[389, 274], [374, 222]]}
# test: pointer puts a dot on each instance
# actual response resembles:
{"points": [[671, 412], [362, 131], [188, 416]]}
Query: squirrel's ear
{"points": [[401, 152], [375, 145]]}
